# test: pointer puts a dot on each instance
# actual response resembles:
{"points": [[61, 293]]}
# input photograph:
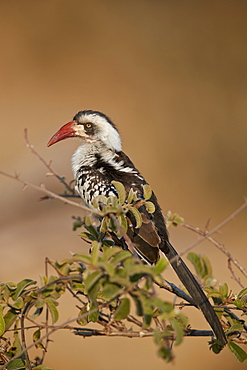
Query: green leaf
{"points": [[216, 347], [147, 306], [37, 313], [214, 295], [158, 336], [36, 336], [102, 199], [42, 367], [242, 292], [104, 225], [179, 331], [164, 307], [165, 353], [134, 269], [244, 299], [8, 289], [120, 280], [123, 309], [81, 258], [18, 304], [92, 231], [196, 261], [86, 235], [137, 216], [223, 288], [238, 352], [123, 222], [160, 265], [110, 252], [10, 317], [111, 290], [11, 286], [83, 320], [17, 342], [121, 191], [131, 196], [120, 257], [79, 287], [77, 223], [2, 322], [92, 279], [112, 202], [2, 287], [150, 207], [208, 271], [139, 309], [94, 290], [235, 327], [53, 310], [173, 219], [238, 303], [93, 316], [87, 221], [18, 364], [64, 269], [21, 286], [147, 192], [95, 247], [107, 267], [44, 279], [201, 263]]}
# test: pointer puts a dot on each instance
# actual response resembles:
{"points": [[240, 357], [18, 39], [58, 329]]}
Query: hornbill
{"points": [[97, 162]]}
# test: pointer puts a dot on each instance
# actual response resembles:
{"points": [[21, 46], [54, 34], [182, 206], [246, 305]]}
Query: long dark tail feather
{"points": [[195, 291]]}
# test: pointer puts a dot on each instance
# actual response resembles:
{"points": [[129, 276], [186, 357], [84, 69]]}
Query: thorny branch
{"points": [[206, 235], [50, 193], [233, 273], [221, 247]]}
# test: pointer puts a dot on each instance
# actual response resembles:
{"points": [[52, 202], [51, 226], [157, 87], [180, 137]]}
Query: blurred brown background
{"points": [[173, 76]]}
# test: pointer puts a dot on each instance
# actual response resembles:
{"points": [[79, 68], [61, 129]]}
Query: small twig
{"points": [[46, 317], [23, 338], [233, 273], [132, 319], [47, 165], [218, 245], [175, 290], [46, 197], [74, 295], [215, 229]]}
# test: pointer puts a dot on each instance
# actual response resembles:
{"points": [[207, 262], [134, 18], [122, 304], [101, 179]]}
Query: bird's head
{"points": [[91, 127]]}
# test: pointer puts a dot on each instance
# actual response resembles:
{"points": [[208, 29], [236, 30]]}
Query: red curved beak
{"points": [[67, 130]]}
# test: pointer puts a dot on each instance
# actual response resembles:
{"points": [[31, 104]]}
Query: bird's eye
{"points": [[88, 125]]}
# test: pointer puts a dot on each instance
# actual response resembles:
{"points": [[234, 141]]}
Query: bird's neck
{"points": [[88, 154]]}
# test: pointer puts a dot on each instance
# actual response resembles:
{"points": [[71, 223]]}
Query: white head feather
{"points": [[105, 140], [105, 129]]}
